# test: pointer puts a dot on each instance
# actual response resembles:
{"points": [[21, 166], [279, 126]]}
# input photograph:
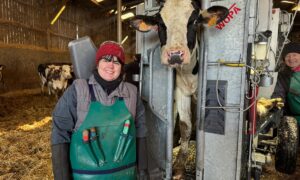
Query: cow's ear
{"points": [[213, 15], [144, 23]]}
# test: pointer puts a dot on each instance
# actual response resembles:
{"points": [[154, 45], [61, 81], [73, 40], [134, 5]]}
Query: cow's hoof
{"points": [[179, 175]]}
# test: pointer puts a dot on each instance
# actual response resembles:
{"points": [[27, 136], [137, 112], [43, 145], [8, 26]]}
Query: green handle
{"points": [[96, 147], [126, 127], [120, 146], [129, 139], [87, 146]]}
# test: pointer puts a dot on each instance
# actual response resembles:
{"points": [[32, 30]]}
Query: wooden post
{"points": [[119, 22]]}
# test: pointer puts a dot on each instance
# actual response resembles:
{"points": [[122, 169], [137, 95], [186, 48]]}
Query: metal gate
{"points": [[224, 155]]}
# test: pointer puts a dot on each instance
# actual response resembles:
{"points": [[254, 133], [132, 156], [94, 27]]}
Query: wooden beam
{"points": [[99, 11]]}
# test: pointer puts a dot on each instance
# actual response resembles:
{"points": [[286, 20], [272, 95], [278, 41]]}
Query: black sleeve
{"points": [[282, 85], [64, 117], [61, 161]]}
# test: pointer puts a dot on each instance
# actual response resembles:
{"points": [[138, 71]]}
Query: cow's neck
{"points": [[186, 81]]}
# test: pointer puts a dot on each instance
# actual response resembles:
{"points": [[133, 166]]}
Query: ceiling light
{"points": [[296, 8], [133, 7], [97, 1], [124, 39], [127, 15], [111, 11], [288, 2], [58, 14]]}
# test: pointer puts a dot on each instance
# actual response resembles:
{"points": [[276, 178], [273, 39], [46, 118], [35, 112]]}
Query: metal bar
{"points": [[170, 120], [141, 63], [141, 76], [250, 22], [200, 134], [222, 107], [151, 86], [217, 63], [243, 84], [200, 131]]}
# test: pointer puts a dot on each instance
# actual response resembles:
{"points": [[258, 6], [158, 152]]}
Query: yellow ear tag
{"points": [[212, 21], [143, 26]]}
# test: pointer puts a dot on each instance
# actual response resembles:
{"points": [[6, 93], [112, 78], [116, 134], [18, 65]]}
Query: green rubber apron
{"points": [[104, 146], [293, 97]]}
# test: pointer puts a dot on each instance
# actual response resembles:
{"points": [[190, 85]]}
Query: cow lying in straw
{"points": [[176, 23]]}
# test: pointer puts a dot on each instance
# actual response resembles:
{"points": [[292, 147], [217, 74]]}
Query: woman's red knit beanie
{"points": [[110, 48]]}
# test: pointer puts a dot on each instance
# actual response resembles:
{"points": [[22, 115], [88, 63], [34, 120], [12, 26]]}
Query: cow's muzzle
{"points": [[175, 57]]}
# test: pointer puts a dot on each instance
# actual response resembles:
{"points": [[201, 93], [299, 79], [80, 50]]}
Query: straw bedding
{"points": [[25, 127]]}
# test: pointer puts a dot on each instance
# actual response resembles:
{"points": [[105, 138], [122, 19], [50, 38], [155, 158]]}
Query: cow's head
{"points": [[177, 24], [66, 71]]}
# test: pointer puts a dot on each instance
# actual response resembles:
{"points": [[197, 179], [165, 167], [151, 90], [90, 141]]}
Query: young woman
{"points": [[99, 124]]}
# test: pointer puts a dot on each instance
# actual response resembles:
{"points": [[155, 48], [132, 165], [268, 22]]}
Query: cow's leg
{"points": [[49, 88], [184, 110], [42, 88], [43, 83]]}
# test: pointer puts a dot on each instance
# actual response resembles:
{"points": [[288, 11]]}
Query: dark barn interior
{"points": [[29, 36], [27, 39]]}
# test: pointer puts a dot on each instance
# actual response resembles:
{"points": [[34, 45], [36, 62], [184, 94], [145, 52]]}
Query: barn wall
{"points": [[104, 29], [21, 66], [27, 38], [295, 34]]}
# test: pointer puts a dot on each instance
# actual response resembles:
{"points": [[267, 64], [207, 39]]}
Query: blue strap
{"points": [[107, 171], [91, 89]]}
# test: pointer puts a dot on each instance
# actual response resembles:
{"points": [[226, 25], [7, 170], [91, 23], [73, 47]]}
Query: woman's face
{"points": [[109, 70], [292, 60]]}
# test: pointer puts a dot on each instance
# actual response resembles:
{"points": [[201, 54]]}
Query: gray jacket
{"points": [[73, 106]]}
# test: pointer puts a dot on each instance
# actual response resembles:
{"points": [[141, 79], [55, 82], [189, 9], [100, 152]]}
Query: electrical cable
{"points": [[254, 85]]}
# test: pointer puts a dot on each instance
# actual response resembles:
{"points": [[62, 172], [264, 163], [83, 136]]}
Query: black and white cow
{"points": [[55, 76], [176, 23], [2, 67]]}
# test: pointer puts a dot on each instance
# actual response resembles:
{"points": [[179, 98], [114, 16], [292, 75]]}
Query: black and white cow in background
{"points": [[56, 76], [176, 23], [1, 74]]}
